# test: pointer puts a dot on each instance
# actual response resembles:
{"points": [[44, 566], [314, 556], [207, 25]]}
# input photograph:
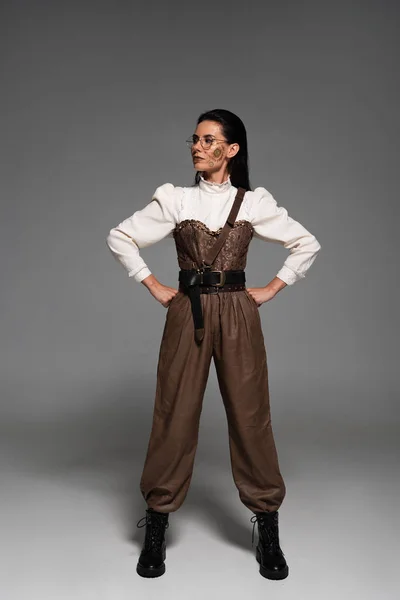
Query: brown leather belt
{"points": [[212, 289], [194, 282]]}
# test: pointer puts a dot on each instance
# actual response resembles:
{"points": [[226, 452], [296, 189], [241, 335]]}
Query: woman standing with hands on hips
{"points": [[213, 315]]}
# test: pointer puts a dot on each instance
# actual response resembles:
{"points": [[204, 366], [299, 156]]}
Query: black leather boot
{"points": [[268, 552], [153, 554]]}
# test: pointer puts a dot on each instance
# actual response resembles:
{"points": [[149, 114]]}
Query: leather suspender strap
{"points": [[214, 250], [197, 278]]}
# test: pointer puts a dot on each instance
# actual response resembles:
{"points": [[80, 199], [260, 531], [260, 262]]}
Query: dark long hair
{"points": [[234, 131]]}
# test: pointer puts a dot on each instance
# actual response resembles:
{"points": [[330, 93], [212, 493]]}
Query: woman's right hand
{"points": [[163, 293]]}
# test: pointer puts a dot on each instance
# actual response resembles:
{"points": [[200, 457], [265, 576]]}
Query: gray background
{"points": [[96, 102]]}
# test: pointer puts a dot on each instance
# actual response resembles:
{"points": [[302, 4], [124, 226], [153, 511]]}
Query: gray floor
{"points": [[70, 504]]}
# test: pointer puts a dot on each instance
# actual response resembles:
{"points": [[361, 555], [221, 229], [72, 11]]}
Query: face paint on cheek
{"points": [[211, 163], [217, 152]]}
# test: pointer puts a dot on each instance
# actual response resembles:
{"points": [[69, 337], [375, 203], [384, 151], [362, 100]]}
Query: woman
{"points": [[217, 318]]}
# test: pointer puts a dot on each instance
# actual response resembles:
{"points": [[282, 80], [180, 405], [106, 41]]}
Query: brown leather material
{"points": [[212, 289], [233, 339], [206, 263], [193, 239]]}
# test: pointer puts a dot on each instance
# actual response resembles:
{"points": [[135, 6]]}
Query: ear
{"points": [[233, 150]]}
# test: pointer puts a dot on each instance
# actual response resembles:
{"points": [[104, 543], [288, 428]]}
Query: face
{"points": [[215, 158]]}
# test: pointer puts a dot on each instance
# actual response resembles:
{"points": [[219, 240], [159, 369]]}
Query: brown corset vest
{"points": [[193, 238]]}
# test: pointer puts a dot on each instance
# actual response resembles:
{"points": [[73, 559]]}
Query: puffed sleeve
{"points": [[145, 227], [273, 224]]}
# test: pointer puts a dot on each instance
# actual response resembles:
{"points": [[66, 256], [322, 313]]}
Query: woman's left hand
{"points": [[263, 294]]}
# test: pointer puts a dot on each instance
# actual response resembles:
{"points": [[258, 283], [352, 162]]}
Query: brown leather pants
{"points": [[234, 338]]}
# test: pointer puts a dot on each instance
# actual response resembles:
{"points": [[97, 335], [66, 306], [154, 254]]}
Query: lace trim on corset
{"points": [[203, 226]]}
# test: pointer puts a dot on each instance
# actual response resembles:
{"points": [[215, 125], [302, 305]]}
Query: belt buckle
{"points": [[204, 268], [222, 279]]}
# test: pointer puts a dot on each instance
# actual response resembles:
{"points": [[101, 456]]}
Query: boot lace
{"points": [[157, 523], [268, 528]]}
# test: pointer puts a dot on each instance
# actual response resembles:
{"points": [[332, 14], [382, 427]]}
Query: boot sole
{"points": [[267, 573], [150, 571]]}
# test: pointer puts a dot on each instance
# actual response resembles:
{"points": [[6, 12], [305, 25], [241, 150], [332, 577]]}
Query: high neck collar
{"points": [[214, 188]]}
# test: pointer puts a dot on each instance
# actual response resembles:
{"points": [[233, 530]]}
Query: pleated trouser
{"points": [[234, 339]]}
